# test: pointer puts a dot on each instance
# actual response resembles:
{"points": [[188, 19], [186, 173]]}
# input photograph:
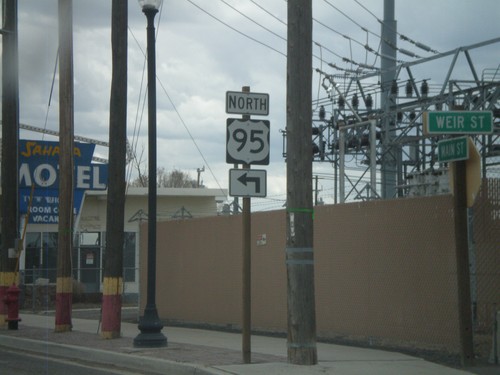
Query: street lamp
{"points": [[150, 324]]}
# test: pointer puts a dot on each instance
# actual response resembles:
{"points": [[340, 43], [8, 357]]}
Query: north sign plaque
{"points": [[247, 103]]}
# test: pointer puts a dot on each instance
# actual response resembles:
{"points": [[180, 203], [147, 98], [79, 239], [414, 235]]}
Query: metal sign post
{"points": [[247, 143], [456, 151]]}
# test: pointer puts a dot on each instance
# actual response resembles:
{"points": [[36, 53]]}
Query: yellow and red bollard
{"points": [[11, 300]]}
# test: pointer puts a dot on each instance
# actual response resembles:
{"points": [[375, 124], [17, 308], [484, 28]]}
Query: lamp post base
{"points": [[151, 335], [150, 340]]}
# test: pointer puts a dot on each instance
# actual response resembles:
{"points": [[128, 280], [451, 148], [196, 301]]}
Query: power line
{"points": [[320, 58], [189, 133], [136, 131], [403, 37], [235, 29], [178, 115], [265, 10], [252, 20], [351, 19], [367, 47], [51, 91]]}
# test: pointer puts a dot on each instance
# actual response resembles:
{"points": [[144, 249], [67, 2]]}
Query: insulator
{"points": [[423, 46], [368, 48], [355, 101], [341, 102], [400, 117], [366, 66], [412, 115], [409, 89], [424, 89], [315, 130], [408, 53], [369, 101], [321, 113], [322, 149], [365, 141], [315, 149], [394, 87]]}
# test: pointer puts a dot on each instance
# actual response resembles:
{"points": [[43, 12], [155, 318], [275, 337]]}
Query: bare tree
{"points": [[173, 179]]}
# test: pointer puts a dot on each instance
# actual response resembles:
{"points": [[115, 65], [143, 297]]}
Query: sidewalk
{"points": [[195, 351]]}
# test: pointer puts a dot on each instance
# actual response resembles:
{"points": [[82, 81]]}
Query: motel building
{"points": [[38, 194]]}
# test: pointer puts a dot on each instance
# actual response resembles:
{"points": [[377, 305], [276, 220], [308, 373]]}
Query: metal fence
{"points": [[484, 249], [38, 286]]}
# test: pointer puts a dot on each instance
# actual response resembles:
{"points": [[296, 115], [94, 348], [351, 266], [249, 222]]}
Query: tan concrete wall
{"points": [[385, 271]]}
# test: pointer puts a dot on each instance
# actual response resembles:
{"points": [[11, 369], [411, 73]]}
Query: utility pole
{"points": [[388, 72], [113, 264], [199, 171], [64, 284], [299, 246], [10, 137], [246, 269], [462, 257]]}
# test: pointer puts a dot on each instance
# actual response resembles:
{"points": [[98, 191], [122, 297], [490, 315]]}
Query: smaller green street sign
{"points": [[453, 149], [458, 122]]}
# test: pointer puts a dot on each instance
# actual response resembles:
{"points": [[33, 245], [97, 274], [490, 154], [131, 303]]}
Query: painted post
{"points": [[64, 283], [10, 137], [247, 270], [115, 210]]}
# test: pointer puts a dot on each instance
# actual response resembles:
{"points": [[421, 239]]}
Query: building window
{"points": [[129, 257], [41, 257]]}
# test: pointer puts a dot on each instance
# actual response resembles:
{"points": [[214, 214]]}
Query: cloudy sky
{"points": [[208, 47]]}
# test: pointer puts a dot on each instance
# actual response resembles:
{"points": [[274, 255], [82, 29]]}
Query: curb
{"points": [[126, 361]]}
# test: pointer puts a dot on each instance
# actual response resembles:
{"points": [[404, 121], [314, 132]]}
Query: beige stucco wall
{"points": [[384, 271]]}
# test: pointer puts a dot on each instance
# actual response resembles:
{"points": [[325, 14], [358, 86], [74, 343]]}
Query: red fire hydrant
{"points": [[11, 299]]}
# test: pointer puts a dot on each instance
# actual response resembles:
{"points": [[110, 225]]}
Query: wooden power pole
{"points": [[462, 257], [64, 284], [113, 264], [299, 251], [246, 268], [10, 136]]}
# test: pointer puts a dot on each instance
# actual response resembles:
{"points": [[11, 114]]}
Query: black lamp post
{"points": [[150, 324]]}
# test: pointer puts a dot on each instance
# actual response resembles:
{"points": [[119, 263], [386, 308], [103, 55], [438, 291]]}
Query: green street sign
{"points": [[453, 149], [458, 122]]}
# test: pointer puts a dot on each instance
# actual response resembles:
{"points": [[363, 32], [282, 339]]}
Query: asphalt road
{"points": [[23, 363]]}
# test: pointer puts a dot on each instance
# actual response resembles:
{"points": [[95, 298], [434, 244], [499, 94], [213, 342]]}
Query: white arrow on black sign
{"points": [[247, 183]]}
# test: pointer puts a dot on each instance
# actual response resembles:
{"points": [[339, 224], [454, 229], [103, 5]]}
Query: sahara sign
{"points": [[39, 170]]}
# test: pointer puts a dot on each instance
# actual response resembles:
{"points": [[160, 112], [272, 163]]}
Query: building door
{"points": [[90, 262], [90, 268]]}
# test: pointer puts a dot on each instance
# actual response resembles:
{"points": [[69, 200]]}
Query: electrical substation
{"points": [[368, 122]]}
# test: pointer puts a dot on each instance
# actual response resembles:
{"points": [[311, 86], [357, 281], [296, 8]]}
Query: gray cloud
{"points": [[199, 59]]}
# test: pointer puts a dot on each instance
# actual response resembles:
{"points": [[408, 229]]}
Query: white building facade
{"points": [[38, 261]]}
